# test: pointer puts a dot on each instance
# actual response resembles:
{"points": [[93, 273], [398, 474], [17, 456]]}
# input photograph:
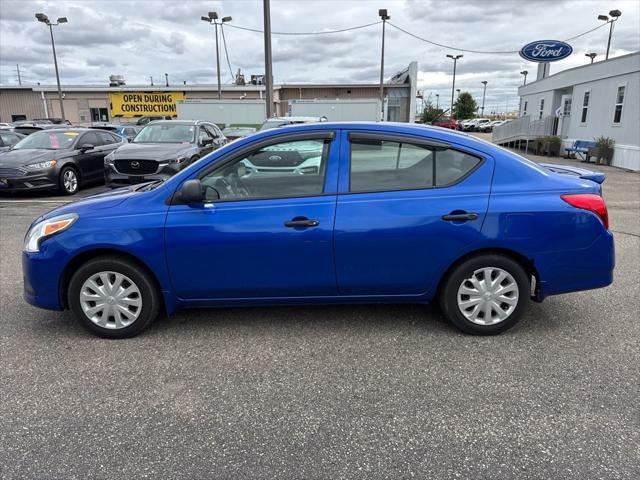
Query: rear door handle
{"points": [[305, 223], [460, 217]]}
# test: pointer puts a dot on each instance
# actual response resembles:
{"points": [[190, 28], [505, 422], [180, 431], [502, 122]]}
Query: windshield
{"points": [[49, 140], [238, 131], [166, 133], [273, 124]]}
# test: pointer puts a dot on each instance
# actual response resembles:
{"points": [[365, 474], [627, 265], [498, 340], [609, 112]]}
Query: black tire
{"points": [[145, 283], [62, 187], [454, 280]]}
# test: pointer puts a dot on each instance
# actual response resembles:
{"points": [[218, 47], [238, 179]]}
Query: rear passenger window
{"points": [[381, 165]]}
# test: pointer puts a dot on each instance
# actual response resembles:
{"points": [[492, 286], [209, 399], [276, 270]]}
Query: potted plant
{"points": [[538, 145], [552, 145], [605, 149]]}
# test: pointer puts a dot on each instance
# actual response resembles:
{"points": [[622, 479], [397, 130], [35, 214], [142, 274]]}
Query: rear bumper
{"points": [[573, 271]]}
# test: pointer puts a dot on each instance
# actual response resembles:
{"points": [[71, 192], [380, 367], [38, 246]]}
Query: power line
{"points": [[226, 53], [437, 44], [305, 33]]}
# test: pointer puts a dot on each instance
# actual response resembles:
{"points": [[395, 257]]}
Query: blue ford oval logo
{"points": [[546, 51]]}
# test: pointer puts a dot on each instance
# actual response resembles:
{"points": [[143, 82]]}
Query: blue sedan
{"points": [[328, 213]]}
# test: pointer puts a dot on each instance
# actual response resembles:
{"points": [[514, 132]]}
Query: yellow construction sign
{"points": [[136, 104]]}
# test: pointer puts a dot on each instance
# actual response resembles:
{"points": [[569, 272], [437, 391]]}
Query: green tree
{"points": [[430, 112], [465, 107]]}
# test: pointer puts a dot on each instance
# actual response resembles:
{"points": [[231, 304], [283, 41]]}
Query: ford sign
{"points": [[546, 51]]}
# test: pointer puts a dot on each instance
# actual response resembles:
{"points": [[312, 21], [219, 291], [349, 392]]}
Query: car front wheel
{"points": [[113, 298], [485, 295], [68, 181]]}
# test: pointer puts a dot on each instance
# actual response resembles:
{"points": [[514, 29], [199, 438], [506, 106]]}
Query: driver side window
{"points": [[287, 169]]}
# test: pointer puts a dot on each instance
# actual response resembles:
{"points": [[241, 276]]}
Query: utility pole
{"points": [[453, 85], [18, 70], [44, 19], [484, 82], [268, 66], [383, 15]]}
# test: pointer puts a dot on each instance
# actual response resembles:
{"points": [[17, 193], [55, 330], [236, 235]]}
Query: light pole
{"points": [[484, 92], [44, 19], [212, 18], [437, 101], [453, 85], [614, 14], [383, 15], [458, 93], [591, 55], [524, 73]]}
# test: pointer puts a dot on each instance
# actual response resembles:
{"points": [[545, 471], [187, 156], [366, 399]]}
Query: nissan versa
{"points": [[392, 213]]}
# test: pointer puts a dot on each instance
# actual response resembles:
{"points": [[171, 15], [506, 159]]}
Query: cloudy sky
{"points": [[143, 38]]}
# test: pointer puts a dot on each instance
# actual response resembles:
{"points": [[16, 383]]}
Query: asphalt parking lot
{"points": [[326, 392]]}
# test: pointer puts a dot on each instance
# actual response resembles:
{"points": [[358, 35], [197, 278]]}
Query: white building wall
{"points": [[602, 100]]}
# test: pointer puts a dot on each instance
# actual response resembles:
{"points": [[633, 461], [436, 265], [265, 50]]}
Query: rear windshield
{"points": [[48, 140]]}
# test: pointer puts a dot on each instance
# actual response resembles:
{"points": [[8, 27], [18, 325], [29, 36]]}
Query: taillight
{"points": [[589, 201]]}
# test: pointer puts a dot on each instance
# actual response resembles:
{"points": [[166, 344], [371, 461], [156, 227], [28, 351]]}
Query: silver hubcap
{"points": [[488, 296], [111, 300], [70, 181]]}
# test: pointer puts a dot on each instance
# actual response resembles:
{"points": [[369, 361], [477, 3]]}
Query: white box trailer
{"points": [[223, 112], [361, 109]]}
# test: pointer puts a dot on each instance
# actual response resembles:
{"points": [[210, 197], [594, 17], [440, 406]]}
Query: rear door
{"points": [[407, 207]]}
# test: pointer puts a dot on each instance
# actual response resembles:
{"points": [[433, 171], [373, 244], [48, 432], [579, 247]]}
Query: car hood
{"points": [[18, 158], [93, 203], [152, 151]]}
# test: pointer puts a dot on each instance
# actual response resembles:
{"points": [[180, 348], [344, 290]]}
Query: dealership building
{"points": [[601, 99], [86, 104]]}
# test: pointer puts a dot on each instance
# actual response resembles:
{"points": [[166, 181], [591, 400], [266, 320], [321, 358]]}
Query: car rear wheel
{"points": [[68, 181], [485, 295], [113, 298]]}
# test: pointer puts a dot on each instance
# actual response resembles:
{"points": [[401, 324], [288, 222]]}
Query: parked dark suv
{"points": [[160, 150]]}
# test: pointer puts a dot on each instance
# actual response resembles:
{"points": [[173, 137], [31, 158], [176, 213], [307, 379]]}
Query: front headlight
{"points": [[47, 228], [178, 160], [41, 165]]}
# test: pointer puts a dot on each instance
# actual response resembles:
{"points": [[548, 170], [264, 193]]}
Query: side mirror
{"points": [[191, 191], [206, 141], [86, 146]]}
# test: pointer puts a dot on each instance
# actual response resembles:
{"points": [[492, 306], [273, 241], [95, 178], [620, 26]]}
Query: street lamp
{"points": [[458, 93], [384, 16], [615, 15], [525, 73], [453, 85], [437, 101], [212, 18], [484, 82], [591, 55], [44, 19]]}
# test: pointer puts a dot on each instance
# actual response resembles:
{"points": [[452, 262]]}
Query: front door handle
{"points": [[301, 223], [460, 217]]}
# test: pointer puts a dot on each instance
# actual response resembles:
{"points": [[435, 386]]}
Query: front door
{"points": [[266, 228], [564, 119], [406, 209], [91, 161]]}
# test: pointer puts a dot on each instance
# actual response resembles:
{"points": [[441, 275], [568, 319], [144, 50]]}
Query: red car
{"points": [[448, 123]]}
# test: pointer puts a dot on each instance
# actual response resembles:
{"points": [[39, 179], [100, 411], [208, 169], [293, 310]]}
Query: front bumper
{"points": [[41, 273], [43, 179], [114, 179]]}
